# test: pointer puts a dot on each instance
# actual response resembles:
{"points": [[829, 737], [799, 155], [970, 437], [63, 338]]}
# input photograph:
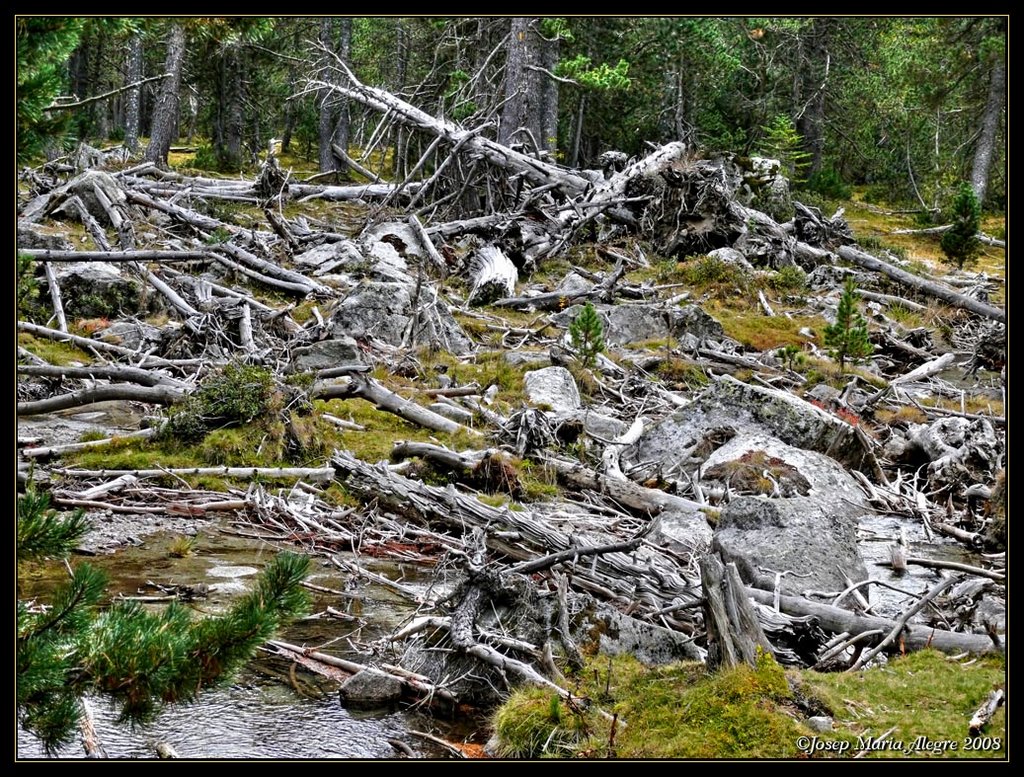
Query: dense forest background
{"points": [[906, 107]]}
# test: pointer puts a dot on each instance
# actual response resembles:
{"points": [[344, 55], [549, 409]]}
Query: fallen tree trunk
{"points": [[937, 290], [53, 255], [49, 451], [157, 395], [838, 620], [108, 372], [314, 474]]}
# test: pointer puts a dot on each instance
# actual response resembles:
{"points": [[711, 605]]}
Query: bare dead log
{"points": [[58, 305], [734, 633], [372, 191], [838, 620], [984, 713], [494, 276], [107, 372], [890, 299], [157, 395], [339, 152], [428, 245], [545, 562], [302, 289], [367, 388], [954, 565], [982, 237], [969, 538], [50, 255], [931, 288], [176, 300], [613, 452], [900, 624], [556, 300], [269, 268], [314, 474]]}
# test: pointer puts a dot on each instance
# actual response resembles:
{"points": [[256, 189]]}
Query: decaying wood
{"points": [[55, 298], [52, 255], [315, 474], [734, 633], [985, 712], [931, 288]]}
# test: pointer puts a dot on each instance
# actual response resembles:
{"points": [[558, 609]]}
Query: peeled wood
{"points": [[937, 290], [838, 620]]}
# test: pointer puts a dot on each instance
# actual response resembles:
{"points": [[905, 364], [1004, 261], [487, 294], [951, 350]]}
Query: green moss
{"points": [[383, 430], [753, 329], [682, 711], [682, 374], [60, 354]]}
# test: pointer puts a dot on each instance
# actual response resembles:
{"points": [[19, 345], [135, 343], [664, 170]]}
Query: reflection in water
{"points": [[254, 720]]}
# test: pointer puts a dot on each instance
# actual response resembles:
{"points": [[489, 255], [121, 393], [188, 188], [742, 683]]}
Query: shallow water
{"points": [[260, 715]]}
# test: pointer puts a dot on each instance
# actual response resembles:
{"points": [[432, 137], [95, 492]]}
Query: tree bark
{"points": [[989, 127], [341, 129], [229, 121], [134, 98], [326, 124], [165, 112], [521, 114]]}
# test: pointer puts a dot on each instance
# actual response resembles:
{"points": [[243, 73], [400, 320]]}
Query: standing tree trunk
{"points": [[989, 127], [230, 110], [812, 76], [521, 114], [165, 112], [326, 124], [341, 129], [549, 96], [133, 100]]}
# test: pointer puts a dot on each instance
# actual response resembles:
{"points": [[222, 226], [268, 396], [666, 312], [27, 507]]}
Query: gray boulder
{"points": [[653, 645], [554, 387], [625, 324], [326, 354], [370, 689], [130, 334], [731, 256], [35, 236], [770, 536]]}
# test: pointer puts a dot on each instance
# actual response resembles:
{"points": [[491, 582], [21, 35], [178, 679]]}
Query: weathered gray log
{"points": [[295, 288], [314, 474], [982, 237], [494, 276], [954, 565], [931, 288], [58, 305], [269, 268], [890, 299], [428, 245], [157, 395], [926, 370], [48, 255], [176, 300], [367, 388], [107, 372], [339, 152], [459, 462], [734, 633], [556, 300], [838, 620], [371, 191]]}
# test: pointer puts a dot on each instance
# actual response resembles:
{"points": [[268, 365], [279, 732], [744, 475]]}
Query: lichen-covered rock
{"points": [[731, 256], [34, 236], [553, 387], [685, 439], [131, 334], [619, 634]]}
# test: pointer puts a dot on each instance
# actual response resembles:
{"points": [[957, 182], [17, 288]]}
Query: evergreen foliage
{"points": [[586, 335], [141, 659], [848, 338], [960, 244]]}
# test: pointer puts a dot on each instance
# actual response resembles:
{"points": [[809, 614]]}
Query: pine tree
{"points": [[848, 338], [141, 659], [586, 334], [960, 243]]}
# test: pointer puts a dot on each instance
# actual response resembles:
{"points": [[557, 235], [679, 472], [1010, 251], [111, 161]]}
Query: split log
{"points": [[734, 633], [931, 288], [157, 395], [494, 276], [985, 712], [838, 620]]}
